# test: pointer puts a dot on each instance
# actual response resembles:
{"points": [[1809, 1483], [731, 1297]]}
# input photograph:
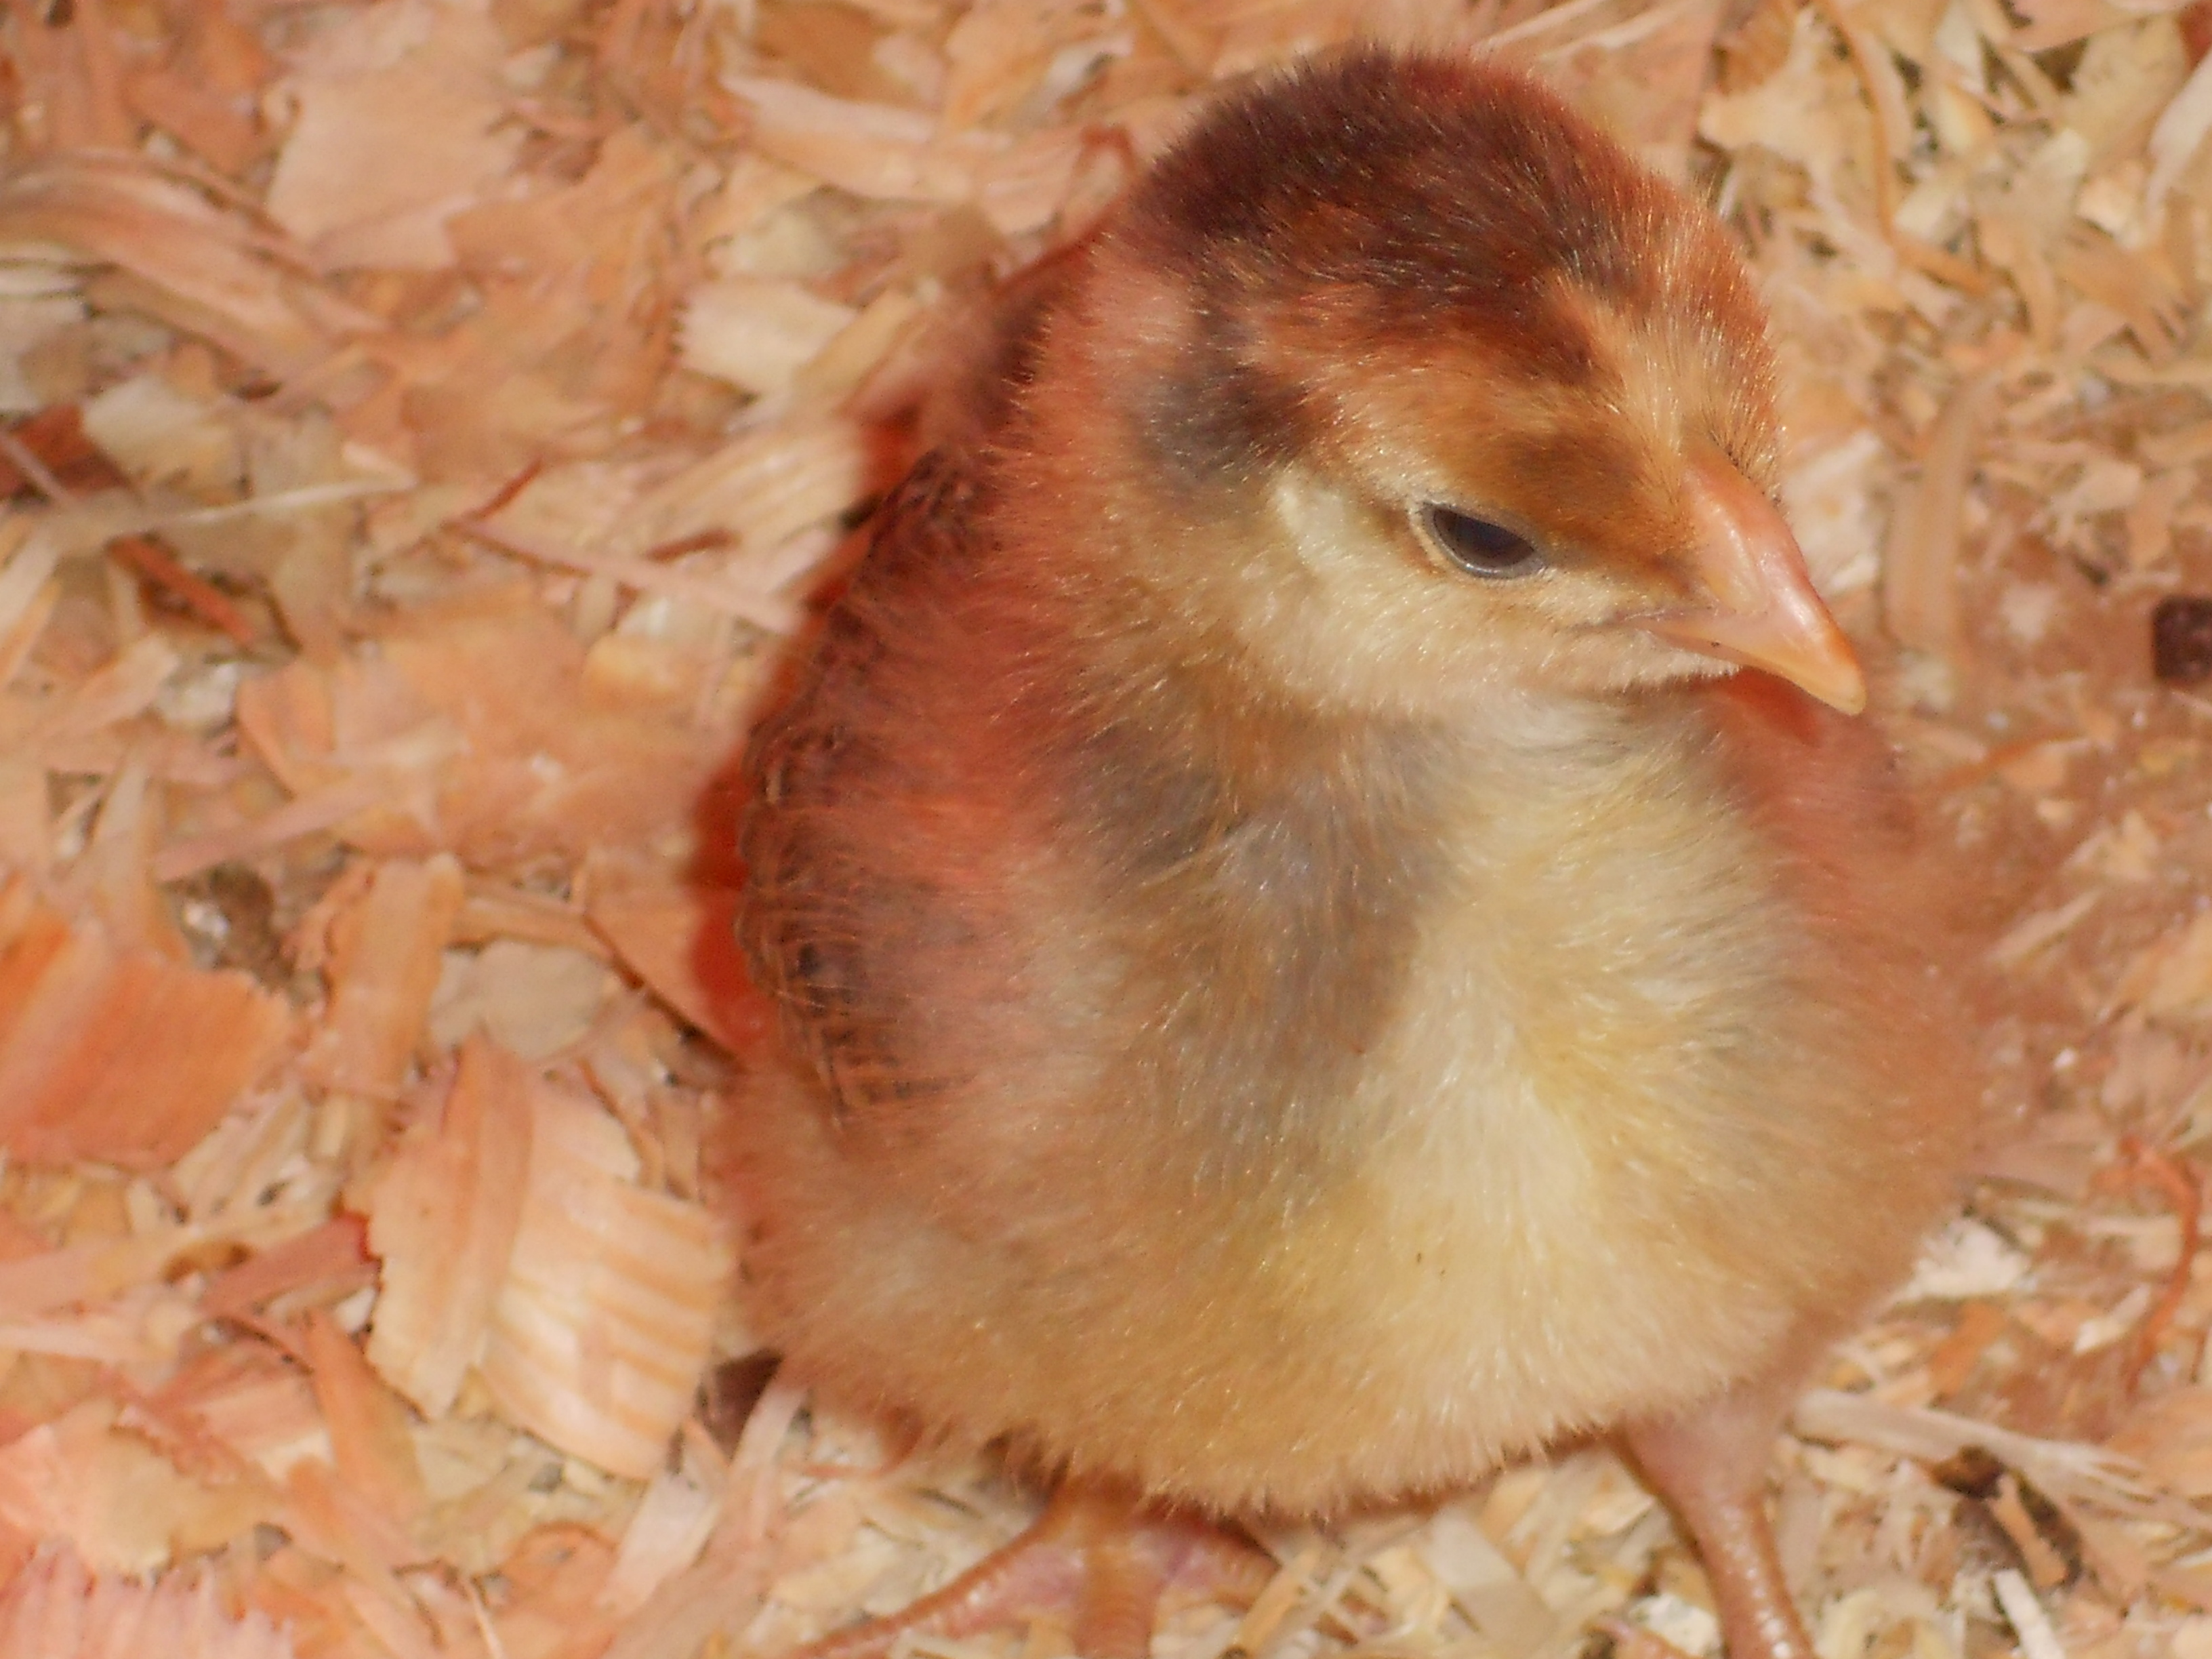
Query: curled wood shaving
{"points": [[763, 611], [1920, 580], [2085, 1473], [508, 386], [384, 962], [212, 270], [119, 1054], [603, 1321], [2176, 1181], [55, 1609], [444, 1221]]}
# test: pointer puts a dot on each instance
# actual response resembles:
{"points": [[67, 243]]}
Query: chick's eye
{"points": [[1478, 546]]}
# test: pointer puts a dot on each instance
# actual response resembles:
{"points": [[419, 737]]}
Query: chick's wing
{"points": [[897, 897]]}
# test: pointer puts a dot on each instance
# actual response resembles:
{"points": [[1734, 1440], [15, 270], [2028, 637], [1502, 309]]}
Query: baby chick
{"points": [[1303, 971]]}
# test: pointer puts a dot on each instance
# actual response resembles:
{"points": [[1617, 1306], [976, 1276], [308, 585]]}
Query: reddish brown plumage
{"points": [[1277, 1020]]}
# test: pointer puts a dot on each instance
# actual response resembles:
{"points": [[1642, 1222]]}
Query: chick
{"points": [[1304, 970]]}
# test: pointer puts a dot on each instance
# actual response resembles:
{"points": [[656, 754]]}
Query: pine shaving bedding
{"points": [[423, 420]]}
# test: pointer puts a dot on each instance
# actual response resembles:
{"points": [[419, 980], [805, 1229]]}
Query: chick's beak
{"points": [[1763, 612]]}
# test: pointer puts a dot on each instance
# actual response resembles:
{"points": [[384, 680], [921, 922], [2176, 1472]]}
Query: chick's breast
{"points": [[1269, 1095]]}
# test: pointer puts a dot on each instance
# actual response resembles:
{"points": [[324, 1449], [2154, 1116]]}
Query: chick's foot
{"points": [[1098, 1562], [1711, 1467]]}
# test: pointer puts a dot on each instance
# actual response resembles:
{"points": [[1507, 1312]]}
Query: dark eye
{"points": [[1478, 546]]}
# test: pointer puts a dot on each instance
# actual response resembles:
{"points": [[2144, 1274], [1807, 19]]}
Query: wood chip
{"points": [[121, 1055], [424, 422], [1919, 582], [384, 952], [54, 1607], [601, 1326]]}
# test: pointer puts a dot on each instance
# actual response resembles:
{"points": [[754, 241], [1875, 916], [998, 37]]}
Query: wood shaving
{"points": [[429, 418]]}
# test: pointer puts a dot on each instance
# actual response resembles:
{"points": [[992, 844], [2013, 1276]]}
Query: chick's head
{"points": [[1426, 388]]}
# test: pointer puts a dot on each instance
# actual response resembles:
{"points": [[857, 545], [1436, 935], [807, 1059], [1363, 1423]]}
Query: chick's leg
{"points": [[1710, 1467], [1100, 1562]]}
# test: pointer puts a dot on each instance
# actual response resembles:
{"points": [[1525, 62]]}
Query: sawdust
{"points": [[425, 418]]}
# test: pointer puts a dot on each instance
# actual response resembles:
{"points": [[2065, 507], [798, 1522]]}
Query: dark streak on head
{"points": [[1220, 414]]}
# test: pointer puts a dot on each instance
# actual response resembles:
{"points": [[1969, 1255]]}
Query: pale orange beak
{"points": [[1763, 612]]}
